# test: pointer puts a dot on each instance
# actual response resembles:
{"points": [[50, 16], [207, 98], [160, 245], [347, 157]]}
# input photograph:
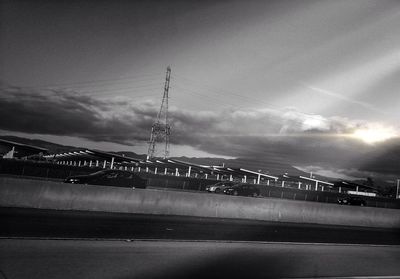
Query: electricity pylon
{"points": [[161, 129]]}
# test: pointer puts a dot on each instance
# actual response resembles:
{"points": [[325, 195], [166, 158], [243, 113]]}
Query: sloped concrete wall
{"points": [[60, 196]]}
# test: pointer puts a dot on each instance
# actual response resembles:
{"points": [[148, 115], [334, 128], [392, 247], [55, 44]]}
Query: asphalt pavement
{"points": [[37, 243], [34, 258], [20, 222]]}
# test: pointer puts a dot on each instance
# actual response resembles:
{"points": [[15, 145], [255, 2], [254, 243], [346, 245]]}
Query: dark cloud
{"points": [[58, 112], [271, 135], [286, 136], [383, 159]]}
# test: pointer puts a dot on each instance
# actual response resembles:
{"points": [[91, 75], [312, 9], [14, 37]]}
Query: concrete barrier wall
{"points": [[60, 196]]}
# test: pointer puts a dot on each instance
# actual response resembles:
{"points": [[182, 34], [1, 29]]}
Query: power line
{"points": [[225, 92], [222, 99], [142, 88], [77, 84], [205, 98], [144, 96], [219, 91], [109, 84]]}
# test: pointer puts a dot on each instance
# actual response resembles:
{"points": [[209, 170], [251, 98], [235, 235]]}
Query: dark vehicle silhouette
{"points": [[116, 178], [220, 186], [242, 190], [352, 201]]}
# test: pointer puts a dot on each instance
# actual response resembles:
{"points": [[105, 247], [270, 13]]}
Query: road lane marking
{"points": [[203, 241]]}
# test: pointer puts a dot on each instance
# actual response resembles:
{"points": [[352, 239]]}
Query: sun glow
{"points": [[374, 134]]}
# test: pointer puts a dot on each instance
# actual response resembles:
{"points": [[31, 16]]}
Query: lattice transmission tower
{"points": [[161, 129]]}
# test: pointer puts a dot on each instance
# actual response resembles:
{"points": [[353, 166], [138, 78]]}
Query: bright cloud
{"points": [[375, 133]]}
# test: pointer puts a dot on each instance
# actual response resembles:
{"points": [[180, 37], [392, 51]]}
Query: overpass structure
{"points": [[355, 188], [178, 168], [174, 167]]}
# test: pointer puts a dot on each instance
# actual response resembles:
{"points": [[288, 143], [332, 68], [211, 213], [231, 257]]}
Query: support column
{"points": [[283, 183], [155, 170], [104, 164], [165, 171], [97, 163], [268, 182], [206, 175], [147, 169], [245, 178], [299, 185], [357, 189], [230, 177], [79, 163], [139, 169], [316, 185], [112, 163], [84, 162], [90, 163], [258, 179], [340, 189], [176, 172], [190, 170], [217, 176]]}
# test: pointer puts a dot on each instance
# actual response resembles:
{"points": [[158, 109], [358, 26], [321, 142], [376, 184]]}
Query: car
{"points": [[219, 187], [117, 178], [242, 190], [352, 201]]}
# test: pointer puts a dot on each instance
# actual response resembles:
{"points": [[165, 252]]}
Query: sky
{"points": [[312, 83]]}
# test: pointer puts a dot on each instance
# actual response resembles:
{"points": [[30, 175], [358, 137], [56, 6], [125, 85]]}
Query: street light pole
{"points": [[397, 189]]}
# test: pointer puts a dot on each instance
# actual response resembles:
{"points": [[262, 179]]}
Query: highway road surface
{"points": [[97, 259], [19, 222], [77, 244]]}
